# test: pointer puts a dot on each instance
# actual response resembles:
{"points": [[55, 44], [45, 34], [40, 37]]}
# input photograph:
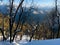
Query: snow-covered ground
{"points": [[34, 42], [44, 42], [24, 41]]}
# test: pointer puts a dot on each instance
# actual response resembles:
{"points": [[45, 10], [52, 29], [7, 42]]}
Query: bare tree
{"points": [[57, 14], [12, 18]]}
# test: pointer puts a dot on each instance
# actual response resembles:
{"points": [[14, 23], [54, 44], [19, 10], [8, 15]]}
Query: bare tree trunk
{"points": [[58, 27], [20, 4], [17, 24], [10, 19], [33, 31], [58, 18], [3, 30], [20, 37], [3, 34], [31, 37]]}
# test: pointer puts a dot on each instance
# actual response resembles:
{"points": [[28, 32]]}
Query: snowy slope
{"points": [[25, 39], [34, 42], [44, 42]]}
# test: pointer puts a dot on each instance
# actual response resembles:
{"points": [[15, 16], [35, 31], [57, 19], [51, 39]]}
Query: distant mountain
{"points": [[4, 9], [35, 14]]}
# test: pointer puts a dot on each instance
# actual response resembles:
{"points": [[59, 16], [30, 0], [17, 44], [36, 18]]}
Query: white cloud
{"points": [[46, 5]]}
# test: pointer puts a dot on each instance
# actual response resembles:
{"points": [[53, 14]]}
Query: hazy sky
{"points": [[36, 2]]}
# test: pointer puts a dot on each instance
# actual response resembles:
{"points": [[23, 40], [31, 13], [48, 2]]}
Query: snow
{"points": [[24, 41], [34, 42], [44, 42]]}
